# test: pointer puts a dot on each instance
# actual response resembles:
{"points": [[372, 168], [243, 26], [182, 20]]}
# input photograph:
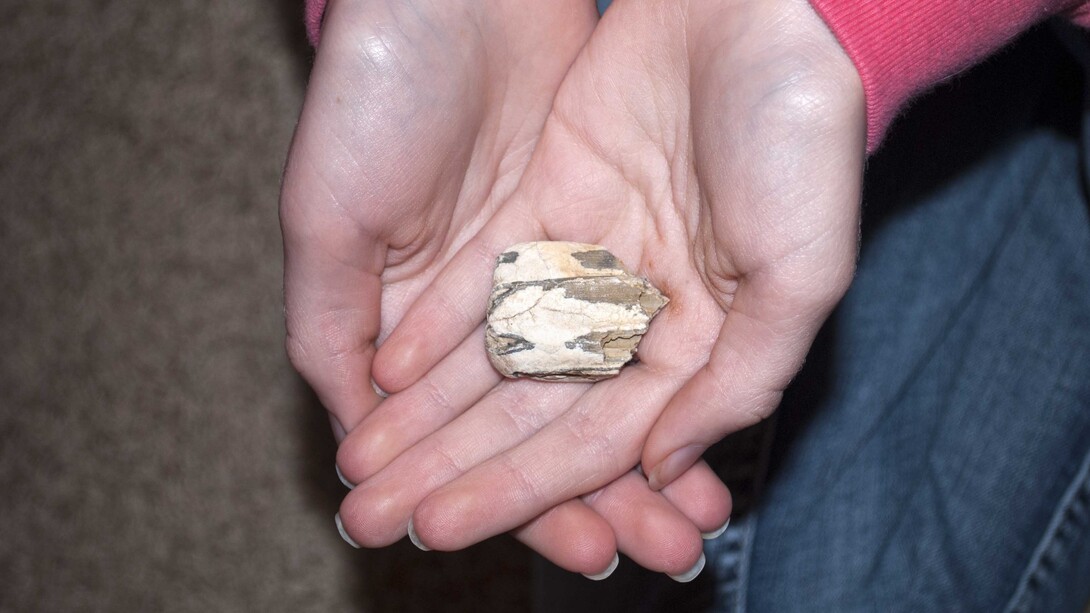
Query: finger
{"points": [[377, 512], [574, 537], [703, 498], [654, 534], [592, 443], [648, 528], [405, 418]]}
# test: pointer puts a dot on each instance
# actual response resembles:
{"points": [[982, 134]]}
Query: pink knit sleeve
{"points": [[902, 47], [314, 11]]}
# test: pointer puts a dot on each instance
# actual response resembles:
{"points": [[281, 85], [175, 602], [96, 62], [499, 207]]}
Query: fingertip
{"points": [[344, 481], [703, 498], [692, 572], [585, 544], [588, 550], [660, 442], [674, 465], [350, 528], [374, 516], [344, 533], [574, 537], [366, 451], [649, 529], [414, 538], [607, 572], [378, 390], [718, 532], [672, 543], [400, 362], [439, 521]]}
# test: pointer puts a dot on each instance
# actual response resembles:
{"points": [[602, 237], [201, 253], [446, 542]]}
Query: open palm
{"points": [[717, 149]]}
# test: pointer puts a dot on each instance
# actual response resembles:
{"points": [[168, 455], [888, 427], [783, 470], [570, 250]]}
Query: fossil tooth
{"points": [[563, 311]]}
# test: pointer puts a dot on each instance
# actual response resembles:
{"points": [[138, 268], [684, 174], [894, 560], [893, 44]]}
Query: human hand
{"points": [[715, 147], [419, 120]]}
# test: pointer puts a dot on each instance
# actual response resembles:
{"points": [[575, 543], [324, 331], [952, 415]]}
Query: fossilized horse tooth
{"points": [[566, 312]]}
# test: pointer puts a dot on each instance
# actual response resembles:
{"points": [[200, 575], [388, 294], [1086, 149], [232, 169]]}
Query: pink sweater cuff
{"points": [[313, 15], [902, 47]]}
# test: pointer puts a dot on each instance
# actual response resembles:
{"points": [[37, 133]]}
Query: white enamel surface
{"points": [[549, 320], [527, 308], [543, 260]]}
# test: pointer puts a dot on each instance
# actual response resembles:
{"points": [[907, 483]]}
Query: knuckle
{"points": [[521, 401], [437, 400], [596, 443], [521, 478], [444, 461]]}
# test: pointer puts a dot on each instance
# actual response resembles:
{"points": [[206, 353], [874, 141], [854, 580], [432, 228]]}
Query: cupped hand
{"points": [[716, 147], [419, 120]]}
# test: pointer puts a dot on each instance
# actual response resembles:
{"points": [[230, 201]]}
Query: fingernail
{"points": [[338, 430], [340, 476], [344, 535], [607, 572], [379, 390], [714, 534], [690, 574], [416, 539], [674, 464]]}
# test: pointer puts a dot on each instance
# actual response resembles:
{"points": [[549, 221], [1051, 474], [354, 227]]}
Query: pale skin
{"points": [[716, 147]]}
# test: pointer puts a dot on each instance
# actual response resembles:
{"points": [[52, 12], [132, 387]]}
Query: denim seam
{"points": [[1057, 531]]}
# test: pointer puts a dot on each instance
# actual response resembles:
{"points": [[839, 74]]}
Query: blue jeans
{"points": [[934, 454]]}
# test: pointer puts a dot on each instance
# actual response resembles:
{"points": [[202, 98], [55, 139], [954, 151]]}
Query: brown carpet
{"points": [[156, 451]]}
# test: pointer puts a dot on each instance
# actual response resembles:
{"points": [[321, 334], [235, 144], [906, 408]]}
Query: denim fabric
{"points": [[934, 454]]}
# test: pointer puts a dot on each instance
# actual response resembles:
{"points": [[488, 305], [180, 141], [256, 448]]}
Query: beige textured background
{"points": [[156, 451]]}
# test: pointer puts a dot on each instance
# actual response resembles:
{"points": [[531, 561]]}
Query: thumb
{"points": [[332, 290], [761, 346], [782, 187]]}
